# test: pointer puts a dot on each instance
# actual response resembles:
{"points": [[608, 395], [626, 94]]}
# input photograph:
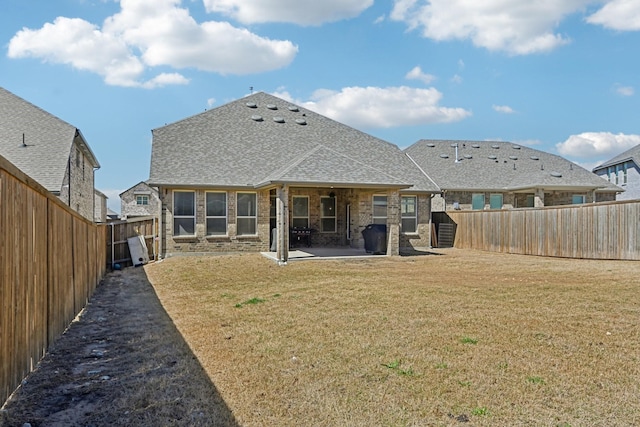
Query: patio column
{"points": [[538, 200], [282, 224], [393, 222]]}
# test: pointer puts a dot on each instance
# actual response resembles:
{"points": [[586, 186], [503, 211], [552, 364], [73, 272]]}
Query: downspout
{"points": [[112, 242]]}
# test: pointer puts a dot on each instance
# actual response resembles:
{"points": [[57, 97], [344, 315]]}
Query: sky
{"points": [[559, 76]]}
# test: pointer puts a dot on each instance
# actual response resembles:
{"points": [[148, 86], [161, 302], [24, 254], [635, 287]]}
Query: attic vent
{"points": [[272, 106], [492, 157], [513, 157], [516, 147], [496, 146], [556, 174], [251, 105], [476, 145], [256, 118], [535, 158], [278, 119], [468, 156], [301, 121], [293, 108], [444, 156], [431, 144]]}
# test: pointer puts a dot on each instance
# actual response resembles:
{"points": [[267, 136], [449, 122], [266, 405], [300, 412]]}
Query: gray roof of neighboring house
{"points": [[500, 166], [262, 139], [144, 185], [37, 142], [633, 154]]}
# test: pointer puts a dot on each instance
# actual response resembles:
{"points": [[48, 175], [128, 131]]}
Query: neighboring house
{"points": [[112, 215], [623, 170], [49, 150], [140, 200], [230, 176], [100, 207], [503, 175]]}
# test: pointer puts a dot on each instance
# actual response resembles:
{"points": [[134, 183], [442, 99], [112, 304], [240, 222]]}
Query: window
{"points": [[328, 214], [216, 214], [409, 213], [379, 215], [495, 201], [617, 174], [624, 173], [142, 199], [577, 199], [273, 206], [246, 214], [300, 217], [477, 201], [184, 213], [530, 201]]}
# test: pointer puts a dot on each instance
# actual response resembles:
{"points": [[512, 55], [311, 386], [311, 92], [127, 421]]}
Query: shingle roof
{"points": [[500, 166], [47, 140], [633, 154], [263, 139]]}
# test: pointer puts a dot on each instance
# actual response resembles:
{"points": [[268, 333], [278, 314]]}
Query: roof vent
{"points": [[493, 157], [496, 146], [468, 156], [301, 121], [272, 106], [278, 119], [444, 156], [535, 158], [513, 157], [556, 174], [476, 145], [251, 105], [455, 144], [516, 147], [293, 108], [256, 118], [431, 144]]}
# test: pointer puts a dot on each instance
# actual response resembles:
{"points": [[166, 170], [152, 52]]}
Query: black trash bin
{"points": [[375, 238]]}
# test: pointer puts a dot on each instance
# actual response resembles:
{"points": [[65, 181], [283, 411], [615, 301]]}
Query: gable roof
{"points": [[633, 154], [37, 142], [139, 187], [500, 166], [261, 140]]}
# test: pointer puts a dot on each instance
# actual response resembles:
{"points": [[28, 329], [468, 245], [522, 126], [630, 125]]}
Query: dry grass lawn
{"points": [[460, 337]]}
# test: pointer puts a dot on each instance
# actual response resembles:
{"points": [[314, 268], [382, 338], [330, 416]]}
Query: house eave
{"points": [[327, 184]]}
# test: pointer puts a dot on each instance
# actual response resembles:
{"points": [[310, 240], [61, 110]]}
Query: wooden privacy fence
{"points": [[119, 232], [51, 260], [597, 231]]}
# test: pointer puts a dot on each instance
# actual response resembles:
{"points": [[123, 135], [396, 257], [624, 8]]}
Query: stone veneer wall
{"points": [[78, 188], [360, 202], [512, 200], [130, 208], [200, 242]]}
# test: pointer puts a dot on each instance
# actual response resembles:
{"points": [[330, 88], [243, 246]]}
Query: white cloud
{"points": [[518, 27], [624, 90], [417, 74], [597, 144], [291, 11], [621, 15], [374, 107], [505, 109], [457, 79], [147, 34]]}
